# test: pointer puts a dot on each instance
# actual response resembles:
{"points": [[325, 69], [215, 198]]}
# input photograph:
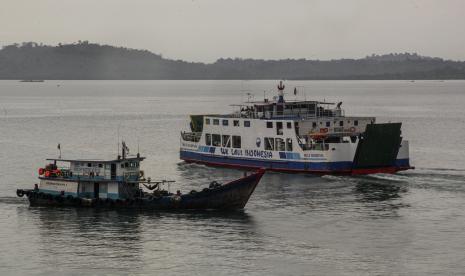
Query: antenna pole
{"points": [[117, 140]]}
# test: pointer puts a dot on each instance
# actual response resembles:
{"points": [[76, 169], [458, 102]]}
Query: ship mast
{"points": [[281, 87]]}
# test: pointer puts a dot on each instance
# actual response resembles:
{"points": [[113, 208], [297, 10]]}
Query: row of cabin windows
{"points": [[236, 123], [95, 165], [278, 144], [279, 126], [341, 123], [225, 141], [107, 166], [130, 165]]}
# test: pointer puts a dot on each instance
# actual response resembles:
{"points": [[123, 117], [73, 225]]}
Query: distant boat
{"points": [[31, 81]]}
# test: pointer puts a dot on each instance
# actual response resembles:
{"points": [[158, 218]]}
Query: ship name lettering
{"points": [[259, 153], [236, 152]]}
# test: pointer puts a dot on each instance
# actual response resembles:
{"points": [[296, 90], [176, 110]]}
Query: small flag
{"points": [[295, 90], [125, 148], [59, 146]]}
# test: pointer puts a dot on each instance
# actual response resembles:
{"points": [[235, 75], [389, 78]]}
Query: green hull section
{"points": [[379, 146]]}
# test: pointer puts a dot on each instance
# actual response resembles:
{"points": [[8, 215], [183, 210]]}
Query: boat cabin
{"points": [[115, 179]]}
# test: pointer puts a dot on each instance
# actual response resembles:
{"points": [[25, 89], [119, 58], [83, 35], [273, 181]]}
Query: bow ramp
{"points": [[378, 147]]}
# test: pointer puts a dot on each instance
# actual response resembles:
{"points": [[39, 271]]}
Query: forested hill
{"points": [[85, 60]]}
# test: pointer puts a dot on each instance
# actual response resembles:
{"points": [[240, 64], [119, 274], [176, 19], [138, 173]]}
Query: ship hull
{"points": [[231, 196], [317, 168]]}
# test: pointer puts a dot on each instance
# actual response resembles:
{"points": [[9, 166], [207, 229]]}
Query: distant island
{"points": [[90, 61]]}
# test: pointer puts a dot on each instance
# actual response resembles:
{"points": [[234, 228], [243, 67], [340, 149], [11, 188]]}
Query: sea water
{"points": [[410, 223]]}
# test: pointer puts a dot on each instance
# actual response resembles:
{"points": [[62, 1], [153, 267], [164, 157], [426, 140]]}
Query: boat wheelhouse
{"points": [[90, 178], [295, 136]]}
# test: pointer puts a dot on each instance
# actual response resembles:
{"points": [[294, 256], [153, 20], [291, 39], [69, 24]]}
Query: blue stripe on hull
{"points": [[53, 192], [403, 163], [284, 165], [275, 164], [81, 194]]}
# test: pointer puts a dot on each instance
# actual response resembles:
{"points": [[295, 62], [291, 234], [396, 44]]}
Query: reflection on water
{"points": [[103, 239], [112, 240], [371, 190]]}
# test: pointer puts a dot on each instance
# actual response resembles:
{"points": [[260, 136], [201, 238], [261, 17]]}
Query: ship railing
{"points": [[290, 116], [191, 136], [335, 132], [326, 113], [77, 177], [318, 146]]}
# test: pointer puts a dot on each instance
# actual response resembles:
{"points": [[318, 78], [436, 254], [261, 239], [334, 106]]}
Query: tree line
{"points": [[84, 60]]}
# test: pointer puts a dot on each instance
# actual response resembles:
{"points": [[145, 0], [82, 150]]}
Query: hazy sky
{"points": [[204, 30]]}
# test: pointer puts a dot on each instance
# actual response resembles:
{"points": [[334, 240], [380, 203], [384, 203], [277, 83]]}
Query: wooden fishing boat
{"points": [[119, 184]]}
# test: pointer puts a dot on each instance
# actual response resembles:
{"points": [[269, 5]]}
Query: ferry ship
{"points": [[304, 136]]}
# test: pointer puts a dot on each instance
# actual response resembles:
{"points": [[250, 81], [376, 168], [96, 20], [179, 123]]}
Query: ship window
{"points": [[341, 123], [126, 164], [289, 124], [236, 142], [269, 143], [328, 124], [225, 122], [89, 164], [279, 128], [356, 123], [311, 108], [103, 188], [246, 123], [216, 140], [207, 121], [289, 144], [226, 141], [269, 124], [208, 139], [122, 165], [216, 122], [314, 124], [100, 165], [280, 144], [236, 123]]}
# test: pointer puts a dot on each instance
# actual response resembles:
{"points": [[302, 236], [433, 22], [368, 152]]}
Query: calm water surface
{"points": [[411, 223]]}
